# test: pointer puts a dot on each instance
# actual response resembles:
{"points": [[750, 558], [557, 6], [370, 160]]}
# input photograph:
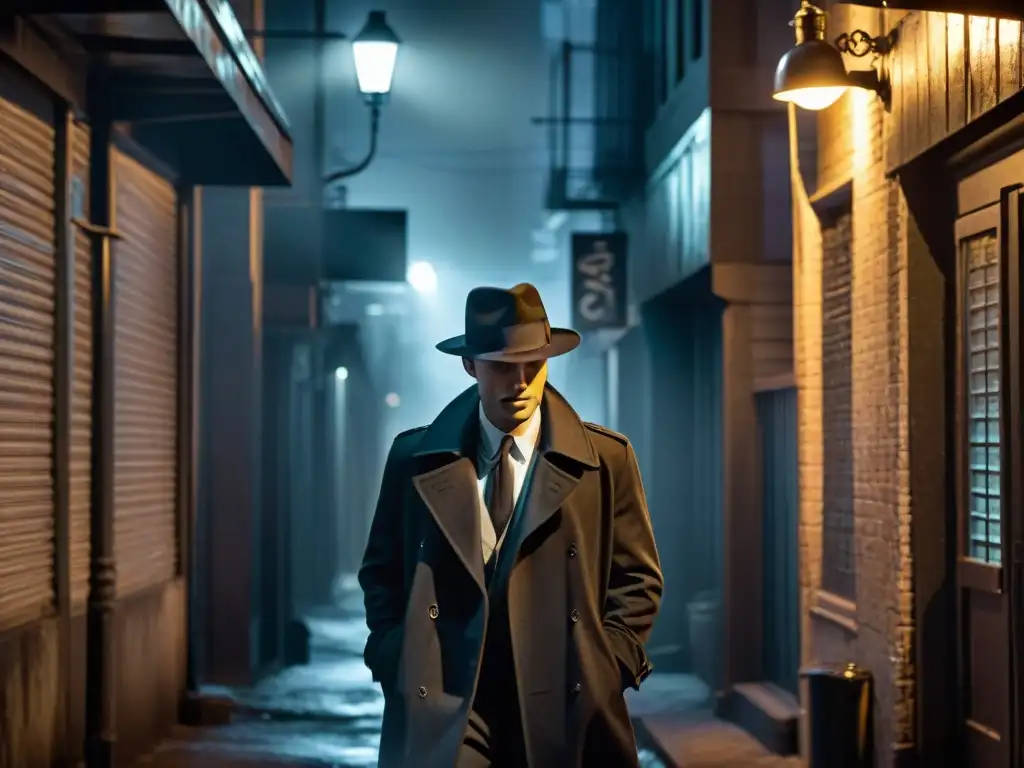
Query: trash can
{"points": [[839, 709]]}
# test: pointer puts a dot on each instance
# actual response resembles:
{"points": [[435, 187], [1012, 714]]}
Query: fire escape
{"points": [[596, 120]]}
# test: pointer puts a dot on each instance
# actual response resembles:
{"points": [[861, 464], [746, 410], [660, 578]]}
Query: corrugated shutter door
{"points": [[146, 387], [27, 304], [81, 391]]}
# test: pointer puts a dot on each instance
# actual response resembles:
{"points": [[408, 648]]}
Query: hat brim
{"points": [[562, 340]]}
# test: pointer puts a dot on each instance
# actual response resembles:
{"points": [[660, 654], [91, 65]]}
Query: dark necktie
{"points": [[500, 500]]}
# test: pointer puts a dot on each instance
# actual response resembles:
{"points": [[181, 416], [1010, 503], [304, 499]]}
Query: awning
{"points": [[183, 77]]}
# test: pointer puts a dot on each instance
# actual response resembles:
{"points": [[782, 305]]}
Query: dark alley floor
{"points": [[328, 714]]}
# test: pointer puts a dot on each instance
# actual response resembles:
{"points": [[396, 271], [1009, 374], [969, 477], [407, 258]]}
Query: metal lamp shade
{"points": [[811, 75]]}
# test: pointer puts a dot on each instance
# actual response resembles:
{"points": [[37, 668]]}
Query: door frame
{"points": [[990, 199]]}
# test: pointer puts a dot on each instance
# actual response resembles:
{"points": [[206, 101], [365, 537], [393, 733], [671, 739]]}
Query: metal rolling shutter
{"points": [[27, 304], [81, 388], [146, 387]]}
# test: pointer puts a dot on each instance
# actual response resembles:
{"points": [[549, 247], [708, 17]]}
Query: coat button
{"points": [[433, 612], [422, 692], [577, 688], [574, 615], [572, 549]]}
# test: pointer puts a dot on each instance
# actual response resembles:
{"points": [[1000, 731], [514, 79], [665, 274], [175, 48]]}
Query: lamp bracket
{"points": [[873, 80], [860, 43], [345, 173]]}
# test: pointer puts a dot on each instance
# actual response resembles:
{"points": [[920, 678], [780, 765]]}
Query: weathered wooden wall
{"points": [[946, 70]]}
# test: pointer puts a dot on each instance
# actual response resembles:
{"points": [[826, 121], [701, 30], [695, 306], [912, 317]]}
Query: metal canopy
{"points": [[183, 76]]}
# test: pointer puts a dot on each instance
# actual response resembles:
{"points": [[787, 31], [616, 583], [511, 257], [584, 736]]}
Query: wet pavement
{"points": [[328, 713]]}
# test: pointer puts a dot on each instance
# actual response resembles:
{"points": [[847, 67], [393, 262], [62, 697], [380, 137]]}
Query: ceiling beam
{"points": [[1003, 9]]}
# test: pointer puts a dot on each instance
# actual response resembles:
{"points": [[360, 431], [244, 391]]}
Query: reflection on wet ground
{"points": [[329, 712]]}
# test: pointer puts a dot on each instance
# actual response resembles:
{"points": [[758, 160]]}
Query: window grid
{"points": [[983, 361]]}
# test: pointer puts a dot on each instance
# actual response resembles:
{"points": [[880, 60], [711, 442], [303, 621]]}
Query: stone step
{"points": [[692, 741], [770, 713]]}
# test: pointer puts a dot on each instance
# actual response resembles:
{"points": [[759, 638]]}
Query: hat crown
{"points": [[504, 307], [509, 324]]}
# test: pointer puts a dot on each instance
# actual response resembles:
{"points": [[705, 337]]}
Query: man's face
{"points": [[509, 392]]}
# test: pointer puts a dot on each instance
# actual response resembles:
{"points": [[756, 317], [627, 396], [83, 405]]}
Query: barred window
{"points": [[838, 567], [982, 371]]}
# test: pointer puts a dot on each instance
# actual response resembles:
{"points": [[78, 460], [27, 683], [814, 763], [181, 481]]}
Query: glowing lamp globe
{"points": [[375, 50]]}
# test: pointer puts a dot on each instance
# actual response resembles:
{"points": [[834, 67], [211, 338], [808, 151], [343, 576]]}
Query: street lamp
{"points": [[375, 52], [422, 277], [812, 75]]}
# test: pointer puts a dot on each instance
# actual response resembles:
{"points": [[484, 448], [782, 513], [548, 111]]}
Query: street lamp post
{"points": [[375, 51]]}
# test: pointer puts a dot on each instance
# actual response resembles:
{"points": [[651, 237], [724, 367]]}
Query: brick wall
{"points": [[851, 332]]}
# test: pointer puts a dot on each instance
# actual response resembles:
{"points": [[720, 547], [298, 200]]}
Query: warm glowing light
{"points": [[422, 277], [341, 373], [814, 99], [393, 400]]}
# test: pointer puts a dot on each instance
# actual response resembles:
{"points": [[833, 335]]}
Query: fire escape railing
{"points": [[596, 121]]}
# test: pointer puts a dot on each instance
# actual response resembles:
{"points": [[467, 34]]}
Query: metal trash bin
{"points": [[840, 708]]}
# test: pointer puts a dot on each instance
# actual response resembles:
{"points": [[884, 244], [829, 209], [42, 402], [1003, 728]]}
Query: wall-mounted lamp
{"points": [[375, 50], [813, 76]]}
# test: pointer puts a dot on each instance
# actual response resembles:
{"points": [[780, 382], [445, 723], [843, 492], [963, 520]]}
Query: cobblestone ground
{"points": [[328, 713]]}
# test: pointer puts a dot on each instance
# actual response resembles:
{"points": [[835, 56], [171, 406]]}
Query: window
{"points": [[981, 372], [697, 29], [664, 46], [838, 563], [680, 44]]}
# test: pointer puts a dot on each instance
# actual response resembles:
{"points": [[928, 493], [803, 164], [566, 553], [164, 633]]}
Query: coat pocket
{"points": [[386, 659]]}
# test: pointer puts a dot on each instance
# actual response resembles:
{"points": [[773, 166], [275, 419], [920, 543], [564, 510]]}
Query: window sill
{"points": [[835, 610]]}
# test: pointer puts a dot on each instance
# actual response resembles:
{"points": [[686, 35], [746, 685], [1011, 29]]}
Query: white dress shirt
{"points": [[521, 454]]}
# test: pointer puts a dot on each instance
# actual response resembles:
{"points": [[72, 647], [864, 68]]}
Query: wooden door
{"points": [[988, 451]]}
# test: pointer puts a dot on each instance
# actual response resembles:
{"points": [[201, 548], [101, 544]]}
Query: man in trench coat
{"points": [[509, 641]]}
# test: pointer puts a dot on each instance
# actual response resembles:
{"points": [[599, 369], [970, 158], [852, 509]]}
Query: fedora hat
{"points": [[510, 325]]}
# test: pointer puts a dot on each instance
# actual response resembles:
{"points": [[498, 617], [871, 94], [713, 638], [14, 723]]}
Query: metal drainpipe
{"points": [[190, 565], [63, 386], [101, 720], [320, 390]]}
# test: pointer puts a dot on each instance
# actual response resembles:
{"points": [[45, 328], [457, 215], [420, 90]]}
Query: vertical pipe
{"points": [[63, 382], [319, 105], [101, 709], [566, 105], [189, 350], [318, 432], [553, 111]]}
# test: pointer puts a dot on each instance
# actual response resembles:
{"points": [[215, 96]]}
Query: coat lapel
{"points": [[549, 488], [450, 493]]}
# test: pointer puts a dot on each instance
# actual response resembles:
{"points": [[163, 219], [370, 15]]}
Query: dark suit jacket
{"points": [[583, 588]]}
